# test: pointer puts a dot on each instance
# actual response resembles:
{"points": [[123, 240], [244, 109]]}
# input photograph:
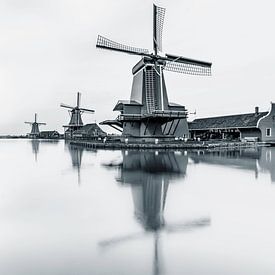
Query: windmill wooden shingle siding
{"points": [[149, 113]]}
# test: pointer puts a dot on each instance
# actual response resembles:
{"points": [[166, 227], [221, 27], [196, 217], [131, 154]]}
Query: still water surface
{"points": [[68, 210]]}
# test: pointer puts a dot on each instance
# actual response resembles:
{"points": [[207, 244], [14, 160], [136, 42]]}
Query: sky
{"points": [[48, 54]]}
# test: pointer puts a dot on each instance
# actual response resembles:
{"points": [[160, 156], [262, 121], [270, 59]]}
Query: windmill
{"points": [[75, 114], [148, 112], [35, 127]]}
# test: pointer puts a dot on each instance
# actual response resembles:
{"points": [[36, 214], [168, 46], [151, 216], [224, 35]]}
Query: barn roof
{"points": [[91, 128], [49, 132], [120, 103], [231, 121]]}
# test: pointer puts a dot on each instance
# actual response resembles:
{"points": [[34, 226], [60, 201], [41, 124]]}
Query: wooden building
{"points": [[49, 134], [257, 126], [89, 131]]}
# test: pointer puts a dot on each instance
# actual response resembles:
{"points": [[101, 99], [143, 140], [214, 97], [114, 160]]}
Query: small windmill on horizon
{"points": [[75, 116], [148, 112], [35, 127]]}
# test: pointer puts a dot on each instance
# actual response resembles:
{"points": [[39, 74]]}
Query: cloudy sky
{"points": [[47, 54]]}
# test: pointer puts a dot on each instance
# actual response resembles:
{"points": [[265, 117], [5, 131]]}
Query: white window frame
{"points": [[269, 132]]}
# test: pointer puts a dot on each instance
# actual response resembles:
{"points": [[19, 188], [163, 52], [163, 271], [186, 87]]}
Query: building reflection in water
{"points": [[267, 161], [149, 174], [257, 159]]}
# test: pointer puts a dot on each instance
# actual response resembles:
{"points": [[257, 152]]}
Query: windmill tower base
{"points": [[69, 130]]}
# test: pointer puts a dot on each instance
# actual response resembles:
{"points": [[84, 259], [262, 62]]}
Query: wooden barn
{"points": [[256, 126], [49, 134], [89, 131]]}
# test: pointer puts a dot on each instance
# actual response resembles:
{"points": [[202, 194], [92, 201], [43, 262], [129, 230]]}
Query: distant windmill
{"points": [[75, 113], [35, 127], [149, 112]]}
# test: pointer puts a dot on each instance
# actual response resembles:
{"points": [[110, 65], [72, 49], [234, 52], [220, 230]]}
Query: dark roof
{"points": [[120, 103], [89, 129], [231, 121], [49, 132]]}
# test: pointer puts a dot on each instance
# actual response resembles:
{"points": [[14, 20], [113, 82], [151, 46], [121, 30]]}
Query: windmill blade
{"points": [[105, 43], [185, 60], [185, 65], [78, 99], [187, 69], [187, 226], [66, 106], [28, 122], [86, 110], [158, 20], [120, 239], [41, 123]]}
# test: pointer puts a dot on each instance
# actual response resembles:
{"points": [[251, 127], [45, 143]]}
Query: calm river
{"points": [[71, 211]]}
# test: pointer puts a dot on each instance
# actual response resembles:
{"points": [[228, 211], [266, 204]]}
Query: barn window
{"points": [[268, 132]]}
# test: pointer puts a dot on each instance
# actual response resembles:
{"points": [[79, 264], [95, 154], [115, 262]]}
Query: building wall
{"points": [[137, 85], [131, 109], [151, 129], [268, 122], [180, 131], [250, 133], [131, 128]]}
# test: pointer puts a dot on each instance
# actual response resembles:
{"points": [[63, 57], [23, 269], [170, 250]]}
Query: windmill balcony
{"points": [[170, 113], [154, 114], [130, 117]]}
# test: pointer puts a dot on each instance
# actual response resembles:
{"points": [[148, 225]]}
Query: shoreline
{"points": [[174, 146], [178, 145]]}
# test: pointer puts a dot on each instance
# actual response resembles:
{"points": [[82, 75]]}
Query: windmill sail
{"points": [[185, 65], [87, 110], [66, 106], [78, 99], [108, 44], [158, 20]]}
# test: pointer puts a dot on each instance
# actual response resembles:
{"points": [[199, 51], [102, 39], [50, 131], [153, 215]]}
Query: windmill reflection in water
{"points": [[149, 175], [35, 147], [76, 153]]}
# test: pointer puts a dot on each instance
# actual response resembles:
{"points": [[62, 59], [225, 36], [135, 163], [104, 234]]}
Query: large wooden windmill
{"points": [[35, 127], [148, 112], [75, 116]]}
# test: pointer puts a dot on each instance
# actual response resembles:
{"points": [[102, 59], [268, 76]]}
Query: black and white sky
{"points": [[48, 53]]}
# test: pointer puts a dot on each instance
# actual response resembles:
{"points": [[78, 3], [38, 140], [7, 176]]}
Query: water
{"points": [[67, 210]]}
